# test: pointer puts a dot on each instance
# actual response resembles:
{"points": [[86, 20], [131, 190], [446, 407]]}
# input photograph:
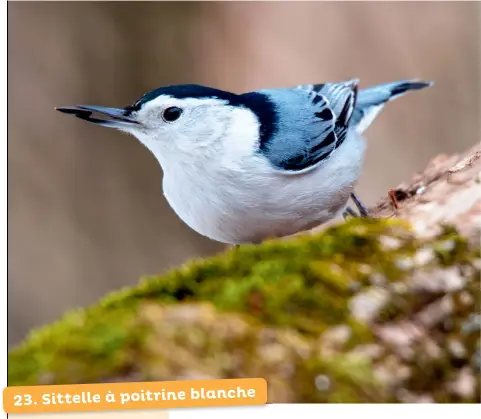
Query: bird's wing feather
{"points": [[312, 122], [371, 101]]}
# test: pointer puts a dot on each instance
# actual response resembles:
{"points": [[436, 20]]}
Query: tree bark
{"points": [[371, 310]]}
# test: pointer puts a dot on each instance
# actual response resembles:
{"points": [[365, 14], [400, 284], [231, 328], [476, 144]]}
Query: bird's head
{"points": [[182, 118]]}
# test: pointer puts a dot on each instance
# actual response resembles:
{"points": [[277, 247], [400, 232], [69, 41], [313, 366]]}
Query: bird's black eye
{"points": [[172, 114]]}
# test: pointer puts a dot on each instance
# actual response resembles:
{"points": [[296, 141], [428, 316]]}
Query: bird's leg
{"points": [[360, 206], [349, 212]]}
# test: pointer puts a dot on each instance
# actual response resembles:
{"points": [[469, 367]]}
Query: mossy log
{"points": [[385, 309]]}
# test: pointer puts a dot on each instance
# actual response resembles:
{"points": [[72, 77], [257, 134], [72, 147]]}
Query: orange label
{"points": [[134, 396]]}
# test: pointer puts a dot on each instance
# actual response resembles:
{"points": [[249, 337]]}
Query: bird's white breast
{"points": [[238, 200]]}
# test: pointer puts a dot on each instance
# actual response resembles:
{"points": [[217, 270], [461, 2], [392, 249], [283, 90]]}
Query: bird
{"points": [[265, 164]]}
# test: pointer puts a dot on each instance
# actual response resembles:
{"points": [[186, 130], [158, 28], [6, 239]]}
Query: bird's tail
{"points": [[370, 101]]}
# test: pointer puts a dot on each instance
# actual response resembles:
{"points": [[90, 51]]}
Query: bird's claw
{"points": [[363, 211], [349, 212]]}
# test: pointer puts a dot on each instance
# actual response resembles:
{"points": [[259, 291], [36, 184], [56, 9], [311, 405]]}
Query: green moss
{"points": [[84, 347], [296, 290]]}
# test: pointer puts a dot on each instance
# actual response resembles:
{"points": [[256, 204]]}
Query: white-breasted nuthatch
{"points": [[241, 168]]}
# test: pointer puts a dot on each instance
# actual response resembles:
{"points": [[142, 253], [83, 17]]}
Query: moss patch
{"points": [[257, 311]]}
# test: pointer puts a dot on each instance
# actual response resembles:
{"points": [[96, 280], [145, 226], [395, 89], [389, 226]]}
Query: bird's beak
{"points": [[113, 117]]}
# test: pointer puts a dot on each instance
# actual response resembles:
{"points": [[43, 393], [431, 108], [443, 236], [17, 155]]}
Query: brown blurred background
{"points": [[86, 212]]}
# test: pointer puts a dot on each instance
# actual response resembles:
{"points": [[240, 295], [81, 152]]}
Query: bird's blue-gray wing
{"points": [[311, 122]]}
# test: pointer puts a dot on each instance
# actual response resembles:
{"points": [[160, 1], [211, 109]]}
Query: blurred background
{"points": [[86, 211]]}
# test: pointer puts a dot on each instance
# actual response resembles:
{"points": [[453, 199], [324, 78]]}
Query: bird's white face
{"points": [[173, 128], [184, 124]]}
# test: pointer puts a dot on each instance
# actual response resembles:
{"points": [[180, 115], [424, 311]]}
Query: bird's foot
{"points": [[349, 212], [363, 211]]}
